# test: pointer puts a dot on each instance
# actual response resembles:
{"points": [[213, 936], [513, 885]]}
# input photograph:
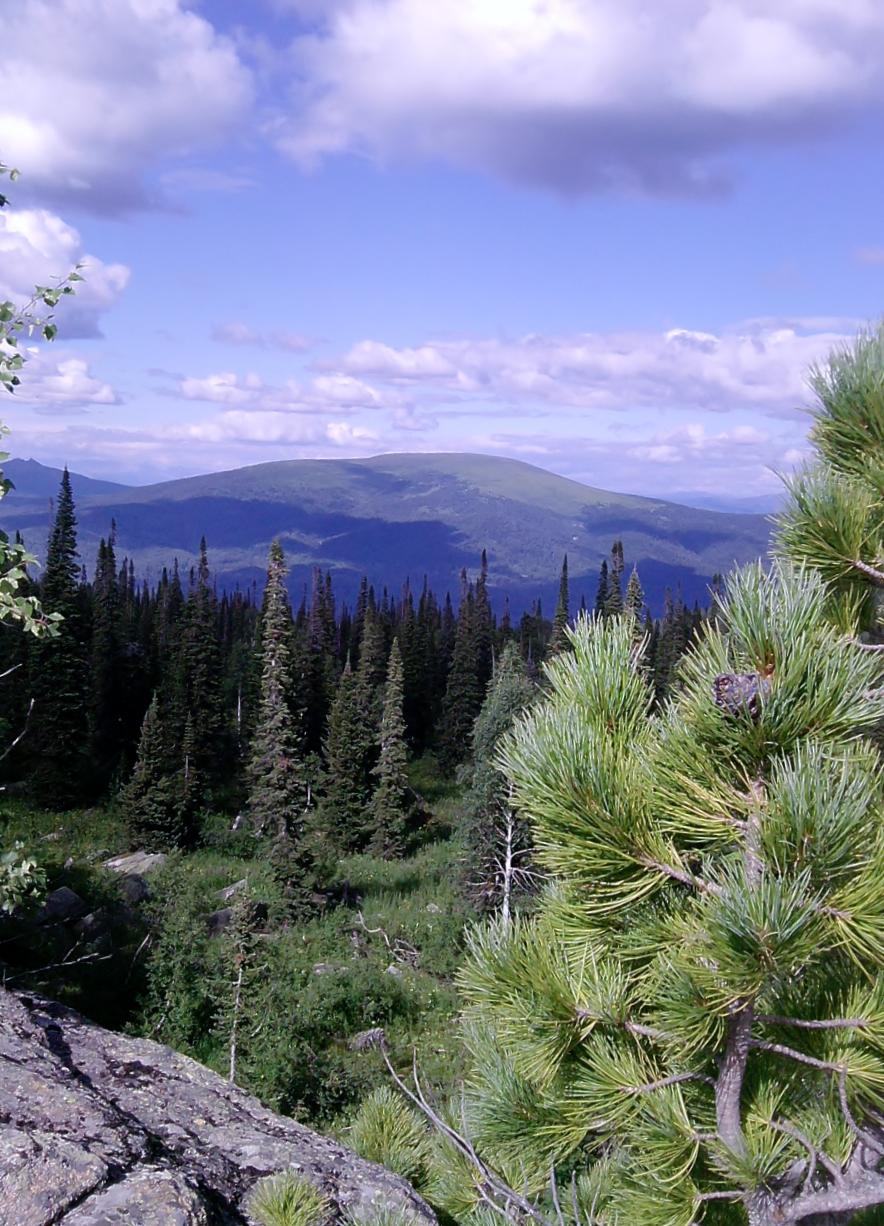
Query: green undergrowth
{"points": [[379, 952]]}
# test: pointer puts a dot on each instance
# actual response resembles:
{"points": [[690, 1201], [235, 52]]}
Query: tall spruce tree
{"points": [[392, 802], [601, 595], [277, 787], [463, 692], [152, 798], [59, 736], [692, 1027], [562, 617], [349, 747]]}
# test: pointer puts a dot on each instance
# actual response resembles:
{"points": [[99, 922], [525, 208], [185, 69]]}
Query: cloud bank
{"points": [[579, 95]]}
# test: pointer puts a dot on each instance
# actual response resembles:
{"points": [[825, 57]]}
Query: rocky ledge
{"points": [[98, 1129]]}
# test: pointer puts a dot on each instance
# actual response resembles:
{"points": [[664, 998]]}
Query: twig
{"points": [[861, 1135], [54, 966], [835, 1023], [790, 1053], [870, 572], [675, 1079], [12, 744], [684, 878], [816, 1155]]}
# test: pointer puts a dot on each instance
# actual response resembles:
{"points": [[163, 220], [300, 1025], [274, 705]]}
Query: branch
{"points": [[491, 1181], [9, 748], [835, 1023], [675, 1079], [790, 1053], [861, 1135], [816, 1155], [729, 1086], [871, 572], [684, 878]]}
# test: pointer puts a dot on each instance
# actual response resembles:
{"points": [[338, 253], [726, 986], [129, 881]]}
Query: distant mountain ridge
{"points": [[396, 517]]}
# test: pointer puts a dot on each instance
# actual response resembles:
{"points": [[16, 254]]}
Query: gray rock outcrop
{"points": [[97, 1129]]}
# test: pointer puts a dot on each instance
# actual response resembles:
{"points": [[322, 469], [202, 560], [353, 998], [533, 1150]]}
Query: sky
{"points": [[607, 237]]}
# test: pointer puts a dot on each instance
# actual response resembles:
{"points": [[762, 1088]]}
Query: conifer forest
{"points": [[574, 918]]}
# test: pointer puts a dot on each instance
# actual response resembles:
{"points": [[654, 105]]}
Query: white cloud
{"points": [[759, 365], [37, 247], [60, 384], [236, 332], [324, 394], [579, 94], [94, 92]]}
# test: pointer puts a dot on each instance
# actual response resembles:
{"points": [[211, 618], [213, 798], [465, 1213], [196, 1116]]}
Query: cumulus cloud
{"points": [[324, 394], [760, 364], [236, 332], [37, 247], [93, 92], [579, 95], [61, 384]]}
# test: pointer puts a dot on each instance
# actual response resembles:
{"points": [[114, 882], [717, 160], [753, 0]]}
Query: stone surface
{"points": [[62, 905], [97, 1129], [230, 891], [140, 862]]}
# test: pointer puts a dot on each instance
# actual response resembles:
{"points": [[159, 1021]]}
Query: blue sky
{"points": [[604, 236]]}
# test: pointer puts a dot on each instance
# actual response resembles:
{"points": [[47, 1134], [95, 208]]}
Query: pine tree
{"points": [[495, 837], [107, 696], [692, 1026], [277, 788], [391, 803], [562, 618], [151, 800], [58, 735]]}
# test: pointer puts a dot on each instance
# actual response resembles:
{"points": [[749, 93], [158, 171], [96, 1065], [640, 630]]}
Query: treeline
{"points": [[177, 699]]}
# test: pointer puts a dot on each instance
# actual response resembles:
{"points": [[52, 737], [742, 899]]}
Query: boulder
{"points": [[230, 891], [62, 906], [140, 862], [98, 1128]]}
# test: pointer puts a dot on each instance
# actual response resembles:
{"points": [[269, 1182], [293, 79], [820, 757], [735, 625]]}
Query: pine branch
{"points": [[871, 572], [835, 1023], [860, 1134], [684, 878], [790, 1053], [817, 1157], [675, 1079]]}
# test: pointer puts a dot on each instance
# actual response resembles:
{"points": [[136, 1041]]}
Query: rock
{"points": [[218, 920], [134, 888], [99, 1129], [324, 968], [433, 909], [140, 862], [150, 1197], [94, 928], [61, 906], [230, 890], [394, 970]]}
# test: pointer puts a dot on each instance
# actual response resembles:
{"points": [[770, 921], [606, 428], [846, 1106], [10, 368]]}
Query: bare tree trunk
{"points": [[237, 997]]}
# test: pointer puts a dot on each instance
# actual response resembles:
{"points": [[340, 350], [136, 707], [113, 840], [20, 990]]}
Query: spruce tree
{"points": [[463, 692], [562, 618], [614, 597], [391, 803], [349, 745], [496, 839], [58, 679], [634, 602], [277, 787], [107, 695], [601, 595], [151, 800]]}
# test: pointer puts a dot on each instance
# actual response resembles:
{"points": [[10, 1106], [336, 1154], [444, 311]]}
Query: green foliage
{"points": [[21, 879], [288, 1199], [387, 1130], [153, 799], [496, 839], [277, 786], [392, 802], [834, 520], [349, 758], [718, 865]]}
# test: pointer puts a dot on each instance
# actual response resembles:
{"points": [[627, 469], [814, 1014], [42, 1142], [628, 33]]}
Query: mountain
{"points": [[394, 517], [36, 481]]}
